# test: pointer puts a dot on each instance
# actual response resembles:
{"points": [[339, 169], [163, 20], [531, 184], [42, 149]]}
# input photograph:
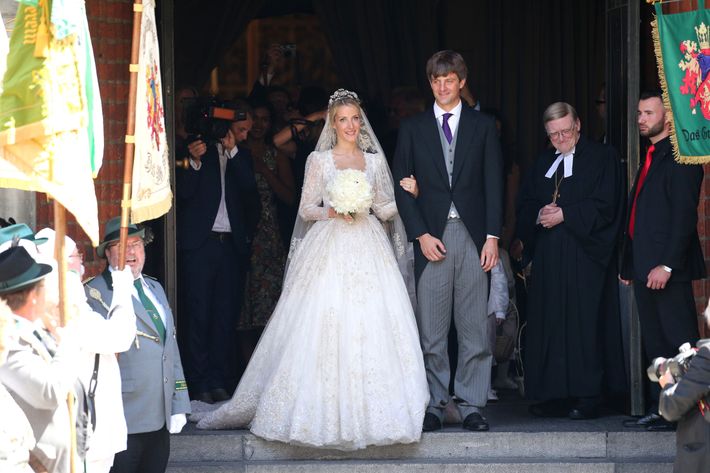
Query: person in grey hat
{"points": [[155, 397]]}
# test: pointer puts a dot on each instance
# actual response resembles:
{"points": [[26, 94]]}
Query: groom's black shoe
{"points": [[475, 423], [642, 422], [431, 423]]}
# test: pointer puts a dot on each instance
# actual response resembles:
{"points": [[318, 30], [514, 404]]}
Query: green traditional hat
{"points": [[21, 231], [18, 270], [113, 232]]}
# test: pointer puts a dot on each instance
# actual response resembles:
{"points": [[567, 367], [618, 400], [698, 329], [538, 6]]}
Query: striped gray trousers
{"points": [[458, 284]]}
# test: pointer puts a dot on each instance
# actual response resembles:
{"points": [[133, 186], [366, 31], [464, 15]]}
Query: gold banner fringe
{"points": [[152, 211]]}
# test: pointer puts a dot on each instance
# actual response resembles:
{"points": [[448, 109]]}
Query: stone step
{"points": [[517, 442], [241, 446], [354, 466]]}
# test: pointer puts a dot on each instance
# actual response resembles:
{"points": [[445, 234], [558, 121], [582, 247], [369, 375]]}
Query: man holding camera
{"points": [[217, 212], [661, 249], [686, 400]]}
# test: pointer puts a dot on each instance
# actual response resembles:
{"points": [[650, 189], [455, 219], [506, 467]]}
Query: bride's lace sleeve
{"points": [[312, 207], [383, 204]]}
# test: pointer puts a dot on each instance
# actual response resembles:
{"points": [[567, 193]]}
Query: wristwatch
{"points": [[666, 268]]}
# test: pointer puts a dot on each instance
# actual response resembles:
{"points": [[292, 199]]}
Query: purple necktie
{"points": [[445, 126]]}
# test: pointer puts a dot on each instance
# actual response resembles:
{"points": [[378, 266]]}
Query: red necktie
{"points": [[642, 177]]}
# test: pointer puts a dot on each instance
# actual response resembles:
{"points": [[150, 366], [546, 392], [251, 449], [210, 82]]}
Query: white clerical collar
{"points": [[568, 159], [438, 111]]}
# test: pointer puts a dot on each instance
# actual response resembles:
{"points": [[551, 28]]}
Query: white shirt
{"points": [[221, 221], [453, 119], [149, 294], [153, 299]]}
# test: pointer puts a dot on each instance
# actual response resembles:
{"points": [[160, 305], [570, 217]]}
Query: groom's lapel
{"points": [[430, 135], [464, 135]]}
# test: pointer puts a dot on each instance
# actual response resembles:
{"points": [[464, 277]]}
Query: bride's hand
{"points": [[409, 184], [333, 214]]}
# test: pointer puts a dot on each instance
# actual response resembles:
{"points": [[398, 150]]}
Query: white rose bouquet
{"points": [[350, 193]]}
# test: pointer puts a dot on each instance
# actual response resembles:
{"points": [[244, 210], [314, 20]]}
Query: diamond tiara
{"points": [[342, 94]]}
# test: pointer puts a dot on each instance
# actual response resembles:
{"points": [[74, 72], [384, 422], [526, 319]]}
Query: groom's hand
{"points": [[489, 254], [433, 248]]}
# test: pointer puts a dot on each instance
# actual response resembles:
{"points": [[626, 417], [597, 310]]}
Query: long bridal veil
{"points": [[394, 228]]}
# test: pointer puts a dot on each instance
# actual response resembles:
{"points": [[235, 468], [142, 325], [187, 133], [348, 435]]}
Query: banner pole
{"points": [[60, 254], [130, 140]]}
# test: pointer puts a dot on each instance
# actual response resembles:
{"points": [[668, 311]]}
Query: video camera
{"points": [[208, 118], [678, 365]]}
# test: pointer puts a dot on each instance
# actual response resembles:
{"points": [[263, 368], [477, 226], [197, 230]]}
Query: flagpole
{"points": [[130, 134], [60, 255]]}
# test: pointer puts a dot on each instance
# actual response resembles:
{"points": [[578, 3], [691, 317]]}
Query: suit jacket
{"points": [[679, 402], [152, 381], [198, 198], [665, 229], [39, 384], [476, 184]]}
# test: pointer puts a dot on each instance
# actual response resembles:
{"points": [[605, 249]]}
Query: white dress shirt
{"points": [[221, 221], [453, 119]]}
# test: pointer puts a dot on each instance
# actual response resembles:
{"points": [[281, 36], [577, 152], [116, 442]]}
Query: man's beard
{"points": [[655, 130]]}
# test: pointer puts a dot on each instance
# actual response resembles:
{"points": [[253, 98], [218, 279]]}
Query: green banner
{"points": [[51, 132], [682, 43]]}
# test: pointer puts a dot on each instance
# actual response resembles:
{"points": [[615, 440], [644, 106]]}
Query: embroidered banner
{"points": [[51, 128], [682, 45], [151, 195]]}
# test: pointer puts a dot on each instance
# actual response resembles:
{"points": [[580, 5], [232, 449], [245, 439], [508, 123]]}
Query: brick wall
{"points": [[111, 26]]}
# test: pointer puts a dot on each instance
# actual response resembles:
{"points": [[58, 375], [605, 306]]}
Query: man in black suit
{"points": [[454, 153], [662, 254], [217, 212]]}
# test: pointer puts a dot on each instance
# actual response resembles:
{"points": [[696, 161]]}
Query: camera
{"points": [[678, 365], [209, 118], [288, 50]]}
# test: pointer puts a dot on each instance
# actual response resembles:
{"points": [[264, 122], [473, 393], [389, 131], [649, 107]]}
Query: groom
{"points": [[454, 153]]}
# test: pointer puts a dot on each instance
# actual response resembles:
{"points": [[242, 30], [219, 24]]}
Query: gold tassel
{"points": [[42, 42]]}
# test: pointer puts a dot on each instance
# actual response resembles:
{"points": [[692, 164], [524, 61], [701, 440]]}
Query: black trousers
{"points": [[214, 288], [668, 319], [145, 453]]}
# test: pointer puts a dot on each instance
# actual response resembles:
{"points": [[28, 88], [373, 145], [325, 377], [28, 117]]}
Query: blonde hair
{"points": [[558, 110]]}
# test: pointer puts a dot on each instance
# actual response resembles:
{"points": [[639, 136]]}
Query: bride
{"points": [[339, 364]]}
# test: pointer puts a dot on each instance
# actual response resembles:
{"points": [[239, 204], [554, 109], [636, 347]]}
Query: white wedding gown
{"points": [[339, 365]]}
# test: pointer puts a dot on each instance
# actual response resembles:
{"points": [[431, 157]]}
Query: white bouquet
{"points": [[350, 193]]}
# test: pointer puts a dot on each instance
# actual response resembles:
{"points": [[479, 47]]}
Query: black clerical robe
{"points": [[563, 354]]}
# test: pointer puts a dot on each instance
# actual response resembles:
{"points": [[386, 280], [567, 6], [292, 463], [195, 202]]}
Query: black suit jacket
{"points": [[477, 182], [665, 229], [198, 197]]}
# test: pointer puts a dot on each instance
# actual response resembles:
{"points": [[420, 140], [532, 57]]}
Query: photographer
{"points": [[679, 402], [218, 208]]}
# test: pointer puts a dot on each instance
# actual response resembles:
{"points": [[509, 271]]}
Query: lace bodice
{"points": [[321, 170]]}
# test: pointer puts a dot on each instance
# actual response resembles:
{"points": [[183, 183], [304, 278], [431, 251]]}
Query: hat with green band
{"points": [[18, 270], [113, 232]]}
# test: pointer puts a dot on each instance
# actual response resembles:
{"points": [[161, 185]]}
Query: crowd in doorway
{"points": [[341, 286]]}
